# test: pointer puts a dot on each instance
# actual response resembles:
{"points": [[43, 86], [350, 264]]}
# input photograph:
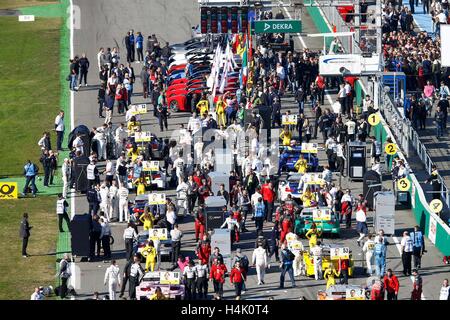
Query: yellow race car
{"points": [[326, 261]]}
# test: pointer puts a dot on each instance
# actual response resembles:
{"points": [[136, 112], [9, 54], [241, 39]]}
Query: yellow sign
{"points": [[374, 119], [355, 294], [150, 165], [169, 278], [309, 147], [138, 109], [296, 245], [289, 119], [144, 136], [391, 149], [157, 234], [436, 206], [339, 253], [403, 184], [157, 198], [321, 214], [8, 190]]}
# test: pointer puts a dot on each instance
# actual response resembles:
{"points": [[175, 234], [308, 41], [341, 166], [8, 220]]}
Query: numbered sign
{"points": [[157, 234], [355, 294], [339, 253], [290, 237], [374, 119], [436, 206], [157, 198], [169, 278], [321, 214], [391, 149], [289, 119], [138, 109], [150, 165], [296, 245], [309, 147], [403, 184], [144, 136]]}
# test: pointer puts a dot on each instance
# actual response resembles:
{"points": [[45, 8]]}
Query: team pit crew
{"points": [[123, 203], [232, 225], [199, 224], [286, 227], [368, 248], [202, 279], [316, 253], [204, 249], [296, 247], [189, 276]]}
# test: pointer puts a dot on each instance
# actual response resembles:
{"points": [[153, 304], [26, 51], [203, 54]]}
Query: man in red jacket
{"points": [[217, 275], [204, 250], [286, 227], [237, 277], [268, 194], [199, 224], [391, 285]]}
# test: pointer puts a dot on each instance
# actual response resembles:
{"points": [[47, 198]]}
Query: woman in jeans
{"points": [[244, 204]]}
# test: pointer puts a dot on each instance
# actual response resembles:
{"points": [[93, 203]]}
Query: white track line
{"points": [[399, 248], [75, 278]]}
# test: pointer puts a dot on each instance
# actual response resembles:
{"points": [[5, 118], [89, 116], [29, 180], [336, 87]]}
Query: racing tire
{"points": [[174, 106]]}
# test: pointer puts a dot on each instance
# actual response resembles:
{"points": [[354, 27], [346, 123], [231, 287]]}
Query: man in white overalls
{"points": [[113, 279], [123, 204], [368, 247], [114, 201], [105, 202]]}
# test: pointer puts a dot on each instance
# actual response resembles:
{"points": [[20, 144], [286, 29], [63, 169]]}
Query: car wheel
{"points": [[174, 106]]}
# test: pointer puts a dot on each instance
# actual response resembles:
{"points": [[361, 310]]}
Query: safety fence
{"points": [[399, 129]]}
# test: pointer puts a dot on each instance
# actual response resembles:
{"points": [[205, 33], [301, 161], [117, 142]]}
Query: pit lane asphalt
{"points": [[104, 24]]}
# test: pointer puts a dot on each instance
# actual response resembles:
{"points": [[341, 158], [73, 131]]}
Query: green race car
{"points": [[324, 218]]}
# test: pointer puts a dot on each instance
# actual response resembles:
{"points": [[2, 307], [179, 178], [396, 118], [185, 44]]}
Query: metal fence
{"points": [[408, 138], [400, 126], [422, 153]]}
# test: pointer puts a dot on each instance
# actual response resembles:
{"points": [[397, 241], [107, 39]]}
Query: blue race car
{"points": [[290, 156]]}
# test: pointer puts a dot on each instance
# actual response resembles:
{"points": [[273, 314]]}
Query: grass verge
{"points": [[12, 4], [30, 87], [20, 275]]}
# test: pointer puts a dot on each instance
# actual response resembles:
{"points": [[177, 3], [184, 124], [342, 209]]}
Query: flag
{"points": [[215, 68], [244, 70]]}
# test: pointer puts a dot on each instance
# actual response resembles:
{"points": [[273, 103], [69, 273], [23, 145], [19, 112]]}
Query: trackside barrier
{"points": [[436, 230]]}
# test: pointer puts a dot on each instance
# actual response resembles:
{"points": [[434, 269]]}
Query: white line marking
{"points": [[74, 278]]}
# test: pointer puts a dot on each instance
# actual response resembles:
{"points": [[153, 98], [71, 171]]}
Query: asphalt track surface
{"points": [[104, 24]]}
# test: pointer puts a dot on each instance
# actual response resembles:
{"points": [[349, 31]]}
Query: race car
{"points": [[165, 246], [290, 156], [185, 44], [154, 179], [326, 261], [290, 186], [329, 225], [139, 204]]}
